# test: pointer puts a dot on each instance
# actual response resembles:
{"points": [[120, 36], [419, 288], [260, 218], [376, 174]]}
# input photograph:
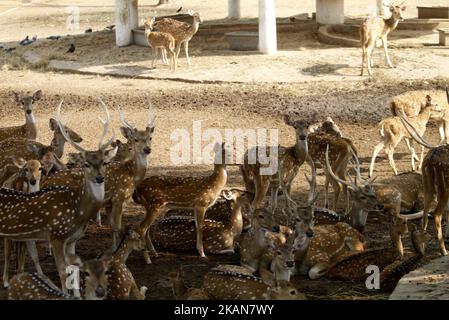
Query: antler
{"points": [[313, 194], [64, 133], [150, 123], [123, 122], [338, 179], [105, 123]]}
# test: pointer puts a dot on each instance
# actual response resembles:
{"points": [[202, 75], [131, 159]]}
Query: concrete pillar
{"points": [[383, 7], [267, 27], [126, 19], [234, 9], [330, 11]]}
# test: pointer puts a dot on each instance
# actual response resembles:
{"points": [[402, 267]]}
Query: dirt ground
{"points": [[357, 105]]}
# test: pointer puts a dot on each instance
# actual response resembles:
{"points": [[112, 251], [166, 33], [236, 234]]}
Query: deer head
{"points": [[31, 171], [397, 11], [301, 127], [26, 102], [58, 140]]}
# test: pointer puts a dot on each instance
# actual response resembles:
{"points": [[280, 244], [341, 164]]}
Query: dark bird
{"points": [[88, 30], [179, 10], [10, 49], [54, 37], [71, 48], [110, 27], [25, 41]]}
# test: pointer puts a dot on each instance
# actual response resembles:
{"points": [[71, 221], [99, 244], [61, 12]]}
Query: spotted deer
{"points": [[375, 28], [283, 259], [237, 283], [175, 281], [219, 237], [27, 180], [58, 214], [121, 177], [392, 132], [182, 32], [289, 161], [28, 130], [121, 283], [158, 194], [435, 177], [412, 102], [162, 40]]}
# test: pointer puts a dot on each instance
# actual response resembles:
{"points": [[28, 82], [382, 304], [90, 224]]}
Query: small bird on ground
{"points": [[26, 41], [71, 48], [110, 27], [88, 30], [54, 37], [179, 10]]}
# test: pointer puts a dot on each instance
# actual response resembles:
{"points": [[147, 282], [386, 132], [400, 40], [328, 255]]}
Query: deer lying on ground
{"points": [[289, 161], [182, 32], [121, 177], [392, 132], [412, 102], [235, 283], [395, 194], [35, 286], [158, 194], [28, 130], [27, 180], [435, 179], [58, 214], [219, 237], [375, 28], [162, 40], [175, 281], [121, 283]]}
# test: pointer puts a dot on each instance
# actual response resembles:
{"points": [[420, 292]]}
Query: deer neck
{"points": [[220, 172], [301, 150], [122, 253], [30, 126], [140, 164], [195, 27], [302, 244], [236, 220], [58, 144], [358, 216], [91, 198], [391, 23]]}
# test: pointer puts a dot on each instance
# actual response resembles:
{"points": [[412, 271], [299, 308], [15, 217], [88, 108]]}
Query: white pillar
{"points": [[383, 7], [330, 11], [234, 9], [126, 19], [267, 27]]}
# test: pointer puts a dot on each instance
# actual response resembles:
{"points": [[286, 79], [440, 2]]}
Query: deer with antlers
{"points": [[375, 28], [219, 237], [28, 130], [392, 132], [121, 177], [158, 194], [58, 214]]}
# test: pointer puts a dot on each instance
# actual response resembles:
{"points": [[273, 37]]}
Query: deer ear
{"points": [[17, 97], [19, 162], [52, 124], [227, 194], [127, 133], [267, 277], [37, 95], [288, 120], [110, 154]]}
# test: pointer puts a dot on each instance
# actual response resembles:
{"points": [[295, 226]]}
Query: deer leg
{"points": [[178, 49], [7, 252], [153, 56], [186, 49], [370, 50], [376, 151], [32, 250], [261, 190], [326, 189], [387, 56], [20, 255], [99, 218], [274, 198], [152, 212], [364, 59], [421, 158], [437, 217], [390, 152], [116, 225], [59, 254], [173, 59], [199, 224]]}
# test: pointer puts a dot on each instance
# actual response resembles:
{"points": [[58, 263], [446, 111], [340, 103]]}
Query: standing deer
{"points": [[58, 214], [181, 31], [392, 132], [289, 161], [121, 177], [412, 102], [28, 130], [375, 28], [219, 237], [163, 40], [158, 194]]}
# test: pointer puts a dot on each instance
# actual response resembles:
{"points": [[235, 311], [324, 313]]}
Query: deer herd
{"points": [[51, 202]]}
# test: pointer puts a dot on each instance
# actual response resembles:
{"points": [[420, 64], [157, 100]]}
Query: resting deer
{"points": [[158, 194], [163, 40], [235, 283], [412, 102], [35, 286], [28, 130], [121, 177], [182, 32], [175, 281], [58, 214], [435, 179], [289, 161], [219, 237], [392, 132], [375, 28], [121, 283], [27, 180]]}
